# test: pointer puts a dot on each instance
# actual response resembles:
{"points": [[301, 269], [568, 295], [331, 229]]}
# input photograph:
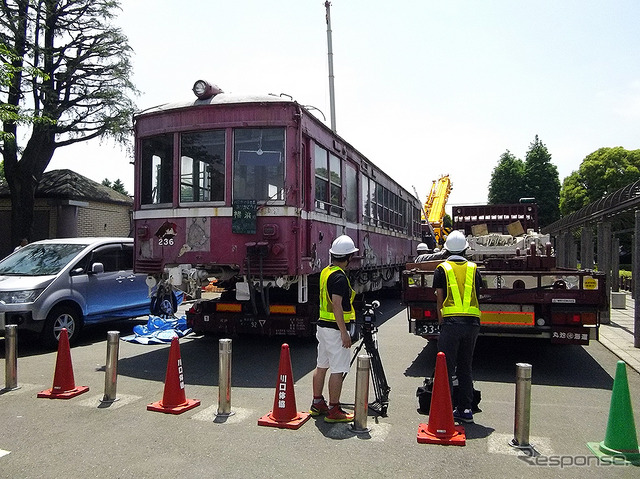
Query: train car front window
{"points": [[202, 166], [157, 170], [258, 170]]}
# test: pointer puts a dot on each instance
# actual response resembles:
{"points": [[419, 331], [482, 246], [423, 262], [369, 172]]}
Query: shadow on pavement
{"points": [[495, 360], [255, 360], [29, 343]]}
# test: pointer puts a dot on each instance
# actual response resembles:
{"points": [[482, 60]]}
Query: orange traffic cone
{"points": [[284, 413], [64, 386], [174, 400], [441, 429]]}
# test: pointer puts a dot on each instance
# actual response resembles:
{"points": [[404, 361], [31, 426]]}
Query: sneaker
{"points": [[336, 414], [318, 408], [464, 416]]}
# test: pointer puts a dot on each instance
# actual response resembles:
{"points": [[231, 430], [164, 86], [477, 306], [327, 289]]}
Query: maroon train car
{"points": [[248, 193]]}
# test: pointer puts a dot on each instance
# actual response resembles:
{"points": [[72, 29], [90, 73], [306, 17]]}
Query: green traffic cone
{"points": [[621, 439]]}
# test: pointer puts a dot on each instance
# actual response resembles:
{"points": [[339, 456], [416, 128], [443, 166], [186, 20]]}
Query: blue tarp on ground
{"points": [[159, 330]]}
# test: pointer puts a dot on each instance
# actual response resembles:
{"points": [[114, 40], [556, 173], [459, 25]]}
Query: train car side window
{"points": [[258, 169], [335, 175], [380, 203], [157, 170], [366, 201], [328, 174], [202, 166], [322, 178], [351, 193]]}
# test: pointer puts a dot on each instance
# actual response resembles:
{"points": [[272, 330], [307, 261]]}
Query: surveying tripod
{"points": [[370, 342]]}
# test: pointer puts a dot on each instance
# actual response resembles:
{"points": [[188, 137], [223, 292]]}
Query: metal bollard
{"points": [[111, 369], [10, 357], [523, 407], [362, 395], [224, 378]]}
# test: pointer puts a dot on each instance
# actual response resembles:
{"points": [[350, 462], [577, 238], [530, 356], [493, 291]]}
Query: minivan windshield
{"points": [[40, 259]]}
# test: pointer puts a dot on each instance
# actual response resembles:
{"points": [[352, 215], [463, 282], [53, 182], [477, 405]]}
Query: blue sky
{"points": [[423, 88]]}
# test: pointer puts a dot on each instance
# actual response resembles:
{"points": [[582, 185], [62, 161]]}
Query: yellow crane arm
{"points": [[437, 200]]}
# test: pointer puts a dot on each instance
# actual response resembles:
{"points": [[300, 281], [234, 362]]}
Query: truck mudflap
{"points": [[573, 335], [235, 318]]}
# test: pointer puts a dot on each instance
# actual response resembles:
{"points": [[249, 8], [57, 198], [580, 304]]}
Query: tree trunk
{"points": [[22, 203], [23, 179]]}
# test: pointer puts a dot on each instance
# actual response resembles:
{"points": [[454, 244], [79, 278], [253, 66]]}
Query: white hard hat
{"points": [[456, 242], [422, 247], [342, 246]]}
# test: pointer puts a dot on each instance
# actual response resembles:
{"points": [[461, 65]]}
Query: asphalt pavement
{"points": [[83, 438]]}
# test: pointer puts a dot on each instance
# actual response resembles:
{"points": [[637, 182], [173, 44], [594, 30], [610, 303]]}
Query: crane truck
{"points": [[524, 293]]}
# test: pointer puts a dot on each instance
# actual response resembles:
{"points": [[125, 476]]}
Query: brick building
{"points": [[68, 205]]}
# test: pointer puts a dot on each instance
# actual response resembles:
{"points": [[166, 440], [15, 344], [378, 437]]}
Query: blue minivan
{"points": [[68, 283]]}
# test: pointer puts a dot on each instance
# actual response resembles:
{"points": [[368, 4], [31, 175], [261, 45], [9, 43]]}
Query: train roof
{"points": [[219, 99]]}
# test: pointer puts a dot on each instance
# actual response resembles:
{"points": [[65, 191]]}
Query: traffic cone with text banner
{"points": [[284, 413], [174, 400], [64, 386], [441, 429], [620, 442]]}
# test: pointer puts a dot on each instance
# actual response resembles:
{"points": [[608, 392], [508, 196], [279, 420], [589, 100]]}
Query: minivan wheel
{"points": [[61, 317]]}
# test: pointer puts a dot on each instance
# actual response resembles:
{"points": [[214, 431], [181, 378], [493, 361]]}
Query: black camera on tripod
{"points": [[367, 326], [368, 318]]}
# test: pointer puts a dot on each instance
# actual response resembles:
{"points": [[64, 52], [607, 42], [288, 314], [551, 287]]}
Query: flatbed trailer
{"points": [[521, 297]]}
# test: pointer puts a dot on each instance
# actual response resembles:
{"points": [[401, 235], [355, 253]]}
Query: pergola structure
{"points": [[612, 216]]}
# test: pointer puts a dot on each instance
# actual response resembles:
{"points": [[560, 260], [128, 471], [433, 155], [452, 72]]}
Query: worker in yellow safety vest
{"points": [[334, 339], [457, 283]]}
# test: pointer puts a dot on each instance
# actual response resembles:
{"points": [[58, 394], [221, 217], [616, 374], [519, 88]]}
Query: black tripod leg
{"points": [[380, 386], [355, 355]]}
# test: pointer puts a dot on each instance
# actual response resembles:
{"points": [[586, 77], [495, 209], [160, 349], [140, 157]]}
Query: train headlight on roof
{"points": [[205, 90]]}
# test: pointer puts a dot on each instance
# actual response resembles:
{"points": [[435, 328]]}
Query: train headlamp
{"points": [[205, 90]]}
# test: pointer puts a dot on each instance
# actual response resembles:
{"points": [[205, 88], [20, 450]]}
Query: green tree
{"points": [[573, 194], [543, 182], [600, 173], [9, 68], [119, 187], [507, 183], [83, 92], [116, 185]]}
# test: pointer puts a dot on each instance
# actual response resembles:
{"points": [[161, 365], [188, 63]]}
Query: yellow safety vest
{"points": [[326, 308], [460, 276]]}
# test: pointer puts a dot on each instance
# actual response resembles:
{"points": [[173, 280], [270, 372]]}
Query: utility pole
{"points": [[332, 99]]}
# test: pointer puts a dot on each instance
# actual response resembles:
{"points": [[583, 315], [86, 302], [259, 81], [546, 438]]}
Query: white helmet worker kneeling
{"points": [[457, 283], [334, 340]]}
